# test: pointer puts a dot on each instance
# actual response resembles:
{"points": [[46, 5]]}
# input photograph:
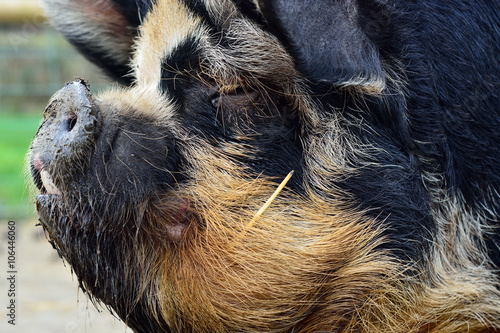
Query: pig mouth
{"points": [[59, 210], [49, 202], [42, 178], [49, 195]]}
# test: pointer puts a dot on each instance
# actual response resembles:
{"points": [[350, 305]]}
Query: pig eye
{"points": [[215, 100], [232, 97]]}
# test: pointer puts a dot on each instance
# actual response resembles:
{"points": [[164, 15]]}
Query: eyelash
{"points": [[239, 90]]}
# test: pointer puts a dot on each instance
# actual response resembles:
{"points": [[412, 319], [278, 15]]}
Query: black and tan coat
{"points": [[280, 166]]}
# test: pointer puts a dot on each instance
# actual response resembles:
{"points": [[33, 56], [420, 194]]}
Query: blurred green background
{"points": [[35, 61]]}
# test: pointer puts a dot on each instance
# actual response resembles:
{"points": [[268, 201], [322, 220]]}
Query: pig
{"points": [[279, 165]]}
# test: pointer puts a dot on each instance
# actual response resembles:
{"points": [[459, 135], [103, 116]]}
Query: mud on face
{"points": [[157, 192]]}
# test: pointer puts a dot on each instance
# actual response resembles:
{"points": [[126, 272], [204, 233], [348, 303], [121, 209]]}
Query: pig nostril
{"points": [[71, 122]]}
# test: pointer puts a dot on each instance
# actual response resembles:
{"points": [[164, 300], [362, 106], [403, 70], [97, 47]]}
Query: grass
{"points": [[16, 133]]}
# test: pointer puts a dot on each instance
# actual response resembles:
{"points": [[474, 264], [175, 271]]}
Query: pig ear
{"points": [[326, 40], [103, 31]]}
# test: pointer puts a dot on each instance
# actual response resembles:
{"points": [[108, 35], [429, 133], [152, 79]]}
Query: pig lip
{"points": [[42, 178], [43, 181], [36, 167]]}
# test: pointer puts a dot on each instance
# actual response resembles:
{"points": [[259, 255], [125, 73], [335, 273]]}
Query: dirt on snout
{"points": [[45, 294]]}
